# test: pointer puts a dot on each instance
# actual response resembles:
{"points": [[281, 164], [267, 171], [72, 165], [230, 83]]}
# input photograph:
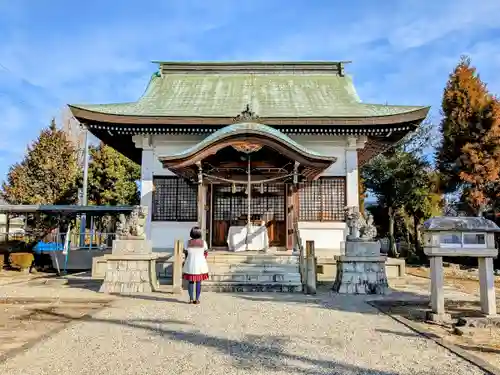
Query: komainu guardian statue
{"points": [[360, 229], [133, 226]]}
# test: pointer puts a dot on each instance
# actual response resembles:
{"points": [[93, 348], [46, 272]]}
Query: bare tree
{"points": [[74, 133]]}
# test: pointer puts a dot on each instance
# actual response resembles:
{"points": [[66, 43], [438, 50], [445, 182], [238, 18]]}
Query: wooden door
{"points": [[267, 203], [228, 208]]}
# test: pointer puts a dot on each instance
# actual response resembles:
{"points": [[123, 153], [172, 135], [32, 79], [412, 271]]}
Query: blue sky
{"points": [[54, 52]]}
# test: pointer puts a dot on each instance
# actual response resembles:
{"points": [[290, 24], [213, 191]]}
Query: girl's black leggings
{"points": [[191, 290]]}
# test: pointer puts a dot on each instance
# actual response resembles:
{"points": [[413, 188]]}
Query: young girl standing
{"points": [[195, 268]]}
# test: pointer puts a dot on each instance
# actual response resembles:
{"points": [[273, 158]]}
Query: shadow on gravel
{"points": [[94, 285], [267, 353], [327, 299]]}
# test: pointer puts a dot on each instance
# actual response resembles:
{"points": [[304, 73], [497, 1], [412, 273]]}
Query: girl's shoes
{"points": [[191, 302], [196, 302]]}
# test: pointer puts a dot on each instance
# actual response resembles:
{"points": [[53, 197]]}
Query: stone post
{"points": [[487, 286], [177, 267], [310, 268], [437, 292]]}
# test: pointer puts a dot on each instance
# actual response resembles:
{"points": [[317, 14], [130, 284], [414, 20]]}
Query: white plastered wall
{"points": [[328, 236]]}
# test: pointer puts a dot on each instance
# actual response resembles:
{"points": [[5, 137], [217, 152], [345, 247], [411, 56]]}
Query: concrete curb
{"points": [[44, 276], [68, 300], [475, 360], [17, 282]]}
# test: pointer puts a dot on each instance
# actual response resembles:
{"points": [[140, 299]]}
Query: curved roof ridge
{"points": [[246, 128], [274, 95]]}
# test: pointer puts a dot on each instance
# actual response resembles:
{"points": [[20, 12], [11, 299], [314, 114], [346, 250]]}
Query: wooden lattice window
{"points": [[323, 199], [174, 199]]}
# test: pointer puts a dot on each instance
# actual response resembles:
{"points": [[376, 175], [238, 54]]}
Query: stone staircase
{"points": [[248, 272]]}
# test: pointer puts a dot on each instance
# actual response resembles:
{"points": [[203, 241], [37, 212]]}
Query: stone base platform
{"points": [[361, 270], [361, 275], [128, 274], [131, 268]]}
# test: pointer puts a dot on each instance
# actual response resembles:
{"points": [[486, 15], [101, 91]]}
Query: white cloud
{"points": [[402, 50]]}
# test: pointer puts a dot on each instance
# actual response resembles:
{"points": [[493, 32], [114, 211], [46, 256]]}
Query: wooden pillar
{"points": [[292, 209], [202, 195], [201, 209], [292, 216]]}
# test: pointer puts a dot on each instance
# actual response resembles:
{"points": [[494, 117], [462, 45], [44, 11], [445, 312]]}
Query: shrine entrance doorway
{"points": [[245, 185], [247, 176], [229, 208]]}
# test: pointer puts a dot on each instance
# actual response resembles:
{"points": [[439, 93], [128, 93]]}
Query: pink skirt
{"points": [[200, 277]]}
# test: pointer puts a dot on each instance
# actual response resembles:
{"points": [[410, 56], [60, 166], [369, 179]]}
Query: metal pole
{"points": [[85, 167], [249, 196], [91, 232], [83, 218]]}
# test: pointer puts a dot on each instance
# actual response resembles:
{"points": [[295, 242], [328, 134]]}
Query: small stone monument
{"points": [[131, 265], [362, 269], [461, 236]]}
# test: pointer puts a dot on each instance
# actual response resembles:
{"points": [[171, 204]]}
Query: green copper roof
{"points": [[245, 128], [269, 94]]}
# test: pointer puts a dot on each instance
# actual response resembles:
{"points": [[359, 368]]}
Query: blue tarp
{"points": [[48, 247]]}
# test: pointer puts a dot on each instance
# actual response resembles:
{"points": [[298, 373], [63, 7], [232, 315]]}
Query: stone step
{"points": [[166, 269], [243, 276], [248, 287], [256, 277], [251, 259], [253, 267]]}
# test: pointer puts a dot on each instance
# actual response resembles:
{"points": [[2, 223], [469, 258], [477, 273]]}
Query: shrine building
{"points": [[253, 152]]}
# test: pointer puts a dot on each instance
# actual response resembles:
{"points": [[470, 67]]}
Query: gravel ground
{"points": [[237, 334]]}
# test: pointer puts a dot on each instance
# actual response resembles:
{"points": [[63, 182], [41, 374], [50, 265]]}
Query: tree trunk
{"points": [[393, 251], [418, 248], [408, 242]]}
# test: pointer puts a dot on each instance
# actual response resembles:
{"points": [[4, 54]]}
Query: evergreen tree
{"points": [[47, 174], [480, 161], [465, 99], [112, 177], [397, 179]]}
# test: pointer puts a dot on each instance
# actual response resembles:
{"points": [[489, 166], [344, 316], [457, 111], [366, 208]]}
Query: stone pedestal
{"points": [[487, 286], [361, 270], [131, 268], [438, 313]]}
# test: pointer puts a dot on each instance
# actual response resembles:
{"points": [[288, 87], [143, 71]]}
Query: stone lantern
{"points": [[461, 236]]}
